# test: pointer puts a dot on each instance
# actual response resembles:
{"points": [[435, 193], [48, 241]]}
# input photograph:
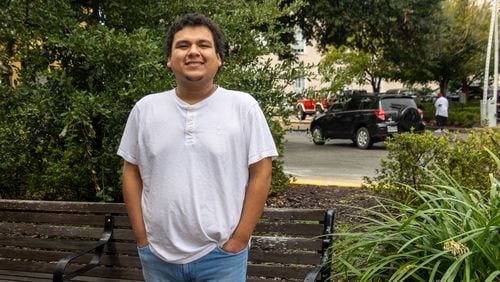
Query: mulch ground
{"points": [[345, 201]]}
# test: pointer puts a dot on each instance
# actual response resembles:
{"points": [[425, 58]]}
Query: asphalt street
{"points": [[338, 162]]}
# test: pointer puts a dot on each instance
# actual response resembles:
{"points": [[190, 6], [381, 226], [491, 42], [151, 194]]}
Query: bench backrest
{"points": [[34, 235]]}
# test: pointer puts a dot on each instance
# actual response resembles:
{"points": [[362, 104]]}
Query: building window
{"points": [[300, 43], [300, 84]]}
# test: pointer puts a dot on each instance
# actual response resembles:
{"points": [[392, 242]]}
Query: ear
{"points": [[219, 59], [168, 62]]}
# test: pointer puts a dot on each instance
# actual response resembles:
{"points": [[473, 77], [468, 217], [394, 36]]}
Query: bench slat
{"points": [[310, 230], [62, 206], [280, 243], [61, 231], [66, 245], [293, 214], [99, 273], [50, 230], [18, 276], [53, 218], [256, 256], [61, 218], [284, 271]]}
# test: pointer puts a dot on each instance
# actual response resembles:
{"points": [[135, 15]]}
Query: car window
{"points": [[368, 103], [337, 106], [353, 104], [397, 103]]}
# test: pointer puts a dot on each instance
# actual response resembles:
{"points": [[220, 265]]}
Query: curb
{"points": [[325, 184], [326, 181]]}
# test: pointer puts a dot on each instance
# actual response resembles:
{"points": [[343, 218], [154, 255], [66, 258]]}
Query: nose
{"points": [[194, 50]]}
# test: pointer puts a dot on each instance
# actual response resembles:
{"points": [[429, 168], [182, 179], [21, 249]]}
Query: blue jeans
{"points": [[215, 266]]}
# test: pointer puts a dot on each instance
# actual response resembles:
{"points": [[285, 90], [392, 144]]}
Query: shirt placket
{"points": [[190, 125]]}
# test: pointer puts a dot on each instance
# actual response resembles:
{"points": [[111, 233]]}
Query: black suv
{"points": [[366, 119]]}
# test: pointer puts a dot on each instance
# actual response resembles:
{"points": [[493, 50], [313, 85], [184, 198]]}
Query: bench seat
{"points": [[35, 236]]}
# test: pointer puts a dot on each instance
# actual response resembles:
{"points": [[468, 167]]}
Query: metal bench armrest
{"points": [[324, 269], [313, 274], [97, 249]]}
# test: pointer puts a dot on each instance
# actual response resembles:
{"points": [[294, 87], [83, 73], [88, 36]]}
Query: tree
{"points": [[83, 66], [457, 49], [368, 26], [389, 33], [341, 66]]}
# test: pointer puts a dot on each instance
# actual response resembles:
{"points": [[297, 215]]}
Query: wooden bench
{"points": [[35, 236]]}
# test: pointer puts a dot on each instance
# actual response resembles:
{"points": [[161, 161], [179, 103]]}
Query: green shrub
{"points": [[460, 155], [60, 127], [459, 115], [464, 118], [450, 234]]}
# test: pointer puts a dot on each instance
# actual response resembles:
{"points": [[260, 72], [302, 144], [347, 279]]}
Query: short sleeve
{"points": [[260, 140], [129, 143]]}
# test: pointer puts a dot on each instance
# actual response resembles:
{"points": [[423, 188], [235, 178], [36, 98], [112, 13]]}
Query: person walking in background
{"points": [[441, 105], [197, 165]]}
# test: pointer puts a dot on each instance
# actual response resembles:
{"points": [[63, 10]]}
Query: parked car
{"points": [[430, 96], [306, 106], [475, 92], [453, 95], [366, 119]]}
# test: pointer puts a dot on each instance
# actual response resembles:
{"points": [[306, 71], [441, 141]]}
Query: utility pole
{"points": [[488, 104]]}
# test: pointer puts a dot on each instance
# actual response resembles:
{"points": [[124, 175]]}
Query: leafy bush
{"points": [[464, 118], [459, 115], [59, 133], [450, 234], [462, 156], [83, 70]]}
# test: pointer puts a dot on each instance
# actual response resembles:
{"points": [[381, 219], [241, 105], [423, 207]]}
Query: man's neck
{"points": [[195, 94]]}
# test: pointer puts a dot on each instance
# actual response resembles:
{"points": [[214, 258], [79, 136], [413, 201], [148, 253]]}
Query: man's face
{"points": [[194, 57]]}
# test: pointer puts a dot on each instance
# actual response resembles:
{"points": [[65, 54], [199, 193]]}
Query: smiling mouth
{"points": [[194, 63]]}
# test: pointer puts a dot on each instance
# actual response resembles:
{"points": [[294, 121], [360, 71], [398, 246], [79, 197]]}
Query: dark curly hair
{"points": [[193, 20]]}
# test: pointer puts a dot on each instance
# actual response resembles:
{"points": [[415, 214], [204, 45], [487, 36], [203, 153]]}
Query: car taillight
{"points": [[380, 114]]}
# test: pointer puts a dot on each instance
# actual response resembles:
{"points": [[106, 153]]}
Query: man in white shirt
{"points": [[197, 165], [441, 105]]}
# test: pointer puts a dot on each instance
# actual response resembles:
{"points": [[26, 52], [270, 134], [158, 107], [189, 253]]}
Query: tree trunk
{"points": [[465, 90], [375, 82], [443, 85]]}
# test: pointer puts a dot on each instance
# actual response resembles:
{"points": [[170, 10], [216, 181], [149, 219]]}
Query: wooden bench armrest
{"points": [[97, 249]]}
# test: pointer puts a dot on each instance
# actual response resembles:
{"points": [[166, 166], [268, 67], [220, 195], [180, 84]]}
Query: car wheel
{"points": [[363, 138], [301, 115], [317, 136]]}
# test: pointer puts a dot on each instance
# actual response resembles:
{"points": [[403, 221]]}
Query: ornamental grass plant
{"points": [[451, 233]]}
